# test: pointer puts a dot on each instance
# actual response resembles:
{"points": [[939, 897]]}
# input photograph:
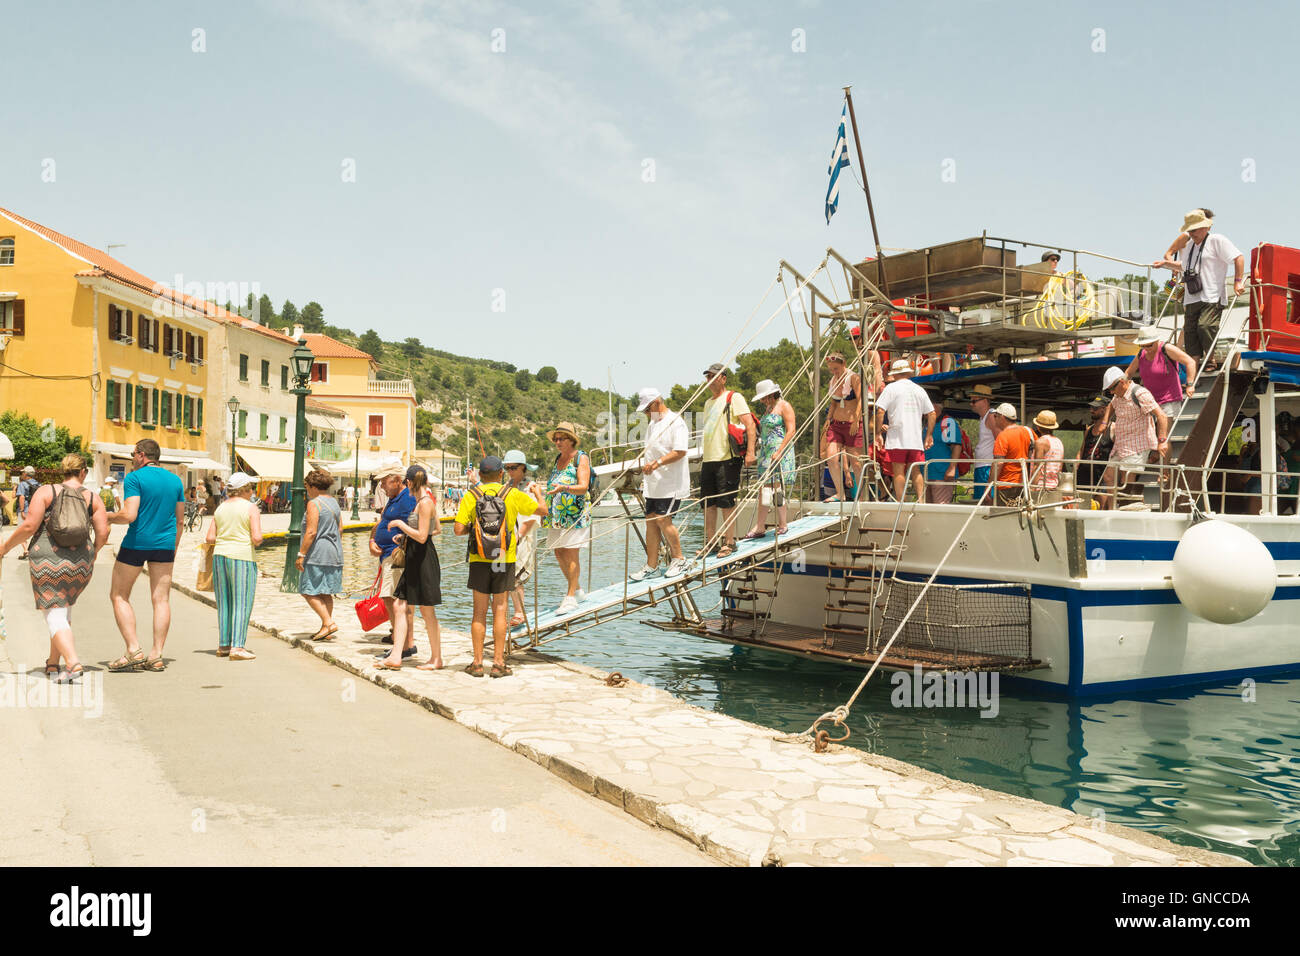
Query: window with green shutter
{"points": [[166, 410], [129, 404], [153, 414], [262, 433], [266, 374], [199, 414], [243, 424], [185, 411], [141, 396], [243, 368], [110, 401], [284, 377], [284, 425]]}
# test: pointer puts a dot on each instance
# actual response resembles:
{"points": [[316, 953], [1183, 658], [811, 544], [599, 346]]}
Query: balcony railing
{"points": [[404, 387], [320, 451]]}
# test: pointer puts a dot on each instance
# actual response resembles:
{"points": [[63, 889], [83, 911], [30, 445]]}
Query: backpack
{"points": [[736, 438], [68, 520], [491, 535]]}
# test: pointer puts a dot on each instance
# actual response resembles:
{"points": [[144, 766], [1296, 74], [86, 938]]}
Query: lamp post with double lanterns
{"points": [[356, 476], [301, 362], [233, 405]]}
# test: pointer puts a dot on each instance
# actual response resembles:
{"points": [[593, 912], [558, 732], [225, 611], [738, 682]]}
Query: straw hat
{"points": [[1046, 420], [900, 367], [564, 428], [1148, 335], [982, 391], [1196, 220]]}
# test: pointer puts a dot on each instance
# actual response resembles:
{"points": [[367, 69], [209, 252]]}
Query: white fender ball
{"points": [[1223, 573]]}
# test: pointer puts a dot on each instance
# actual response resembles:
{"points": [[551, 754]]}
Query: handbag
{"points": [[204, 580], [371, 611], [399, 556]]}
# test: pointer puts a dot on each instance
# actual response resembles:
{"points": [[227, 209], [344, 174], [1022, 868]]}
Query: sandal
{"points": [[326, 633], [384, 665], [783, 530], [475, 670], [223, 652], [52, 669], [516, 621], [725, 551], [71, 674], [501, 670], [429, 665], [155, 664], [242, 654], [129, 661], [754, 535]]}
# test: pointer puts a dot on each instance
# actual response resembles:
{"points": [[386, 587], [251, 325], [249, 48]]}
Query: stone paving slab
{"points": [[734, 789]]}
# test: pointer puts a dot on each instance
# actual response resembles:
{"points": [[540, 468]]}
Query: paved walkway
{"points": [[283, 760], [732, 788]]}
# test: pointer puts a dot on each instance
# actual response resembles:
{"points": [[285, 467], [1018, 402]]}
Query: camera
{"points": [[1192, 280]]}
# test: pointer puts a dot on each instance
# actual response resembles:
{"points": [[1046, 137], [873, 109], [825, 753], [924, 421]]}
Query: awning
{"points": [[196, 461], [270, 463], [369, 465], [317, 420], [6, 446]]}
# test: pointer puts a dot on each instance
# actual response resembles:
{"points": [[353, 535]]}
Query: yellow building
{"points": [[345, 378], [93, 345]]}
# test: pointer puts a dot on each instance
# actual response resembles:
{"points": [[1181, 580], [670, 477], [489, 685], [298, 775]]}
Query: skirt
{"points": [[320, 579], [421, 581], [59, 575], [557, 538]]}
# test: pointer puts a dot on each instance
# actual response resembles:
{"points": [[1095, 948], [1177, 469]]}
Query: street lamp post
{"points": [[301, 361], [356, 468], [233, 405]]}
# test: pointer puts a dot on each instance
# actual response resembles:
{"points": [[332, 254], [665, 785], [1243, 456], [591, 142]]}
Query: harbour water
{"points": [[1214, 767]]}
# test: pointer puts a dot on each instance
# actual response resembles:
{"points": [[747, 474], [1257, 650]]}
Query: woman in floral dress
{"points": [[775, 455], [569, 509]]}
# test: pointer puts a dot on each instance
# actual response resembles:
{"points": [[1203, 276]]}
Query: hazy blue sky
{"points": [[522, 170]]}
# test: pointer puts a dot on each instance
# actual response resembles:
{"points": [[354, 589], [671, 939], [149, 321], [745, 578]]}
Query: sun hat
{"points": [[564, 428], [1148, 335], [716, 368], [395, 472], [646, 396], [516, 457], [982, 391], [900, 367], [1196, 219], [1050, 255], [1047, 420], [29, 470], [1113, 375], [765, 388], [239, 480], [1006, 410], [110, 480], [490, 463]]}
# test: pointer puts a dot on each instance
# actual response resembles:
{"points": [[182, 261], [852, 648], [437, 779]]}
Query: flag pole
{"points": [[871, 211]]}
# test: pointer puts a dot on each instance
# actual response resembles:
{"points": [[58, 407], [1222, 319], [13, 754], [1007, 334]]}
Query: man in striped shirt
{"points": [[1140, 427]]}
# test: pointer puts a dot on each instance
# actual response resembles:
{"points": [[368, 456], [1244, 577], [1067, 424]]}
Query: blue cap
{"points": [[490, 463]]}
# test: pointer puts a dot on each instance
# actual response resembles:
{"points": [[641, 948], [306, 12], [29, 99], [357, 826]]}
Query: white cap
{"points": [[765, 388], [645, 397], [238, 480], [1006, 410], [110, 480], [1113, 375]]}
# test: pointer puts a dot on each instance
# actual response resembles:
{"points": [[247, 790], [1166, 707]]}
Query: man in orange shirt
{"points": [[1011, 450]]}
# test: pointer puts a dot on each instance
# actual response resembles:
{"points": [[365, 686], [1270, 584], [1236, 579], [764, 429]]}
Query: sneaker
{"points": [[410, 651], [570, 603], [644, 573], [581, 595], [678, 566]]}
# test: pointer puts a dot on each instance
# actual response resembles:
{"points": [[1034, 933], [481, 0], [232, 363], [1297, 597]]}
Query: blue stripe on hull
{"points": [[1134, 549]]}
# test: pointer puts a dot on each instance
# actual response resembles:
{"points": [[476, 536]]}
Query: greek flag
{"points": [[839, 160]]}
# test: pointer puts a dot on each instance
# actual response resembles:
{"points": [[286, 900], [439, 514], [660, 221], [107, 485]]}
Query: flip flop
{"points": [[517, 620], [754, 535], [383, 665], [128, 662], [426, 666], [242, 654], [326, 633]]}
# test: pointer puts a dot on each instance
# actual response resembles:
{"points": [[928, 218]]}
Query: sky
{"points": [[609, 184]]}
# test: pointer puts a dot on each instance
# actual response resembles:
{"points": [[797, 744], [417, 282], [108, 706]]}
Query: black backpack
{"points": [[491, 535]]}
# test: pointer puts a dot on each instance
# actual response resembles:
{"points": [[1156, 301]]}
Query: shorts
{"points": [[719, 482], [485, 579], [662, 507], [904, 456], [136, 557], [838, 432], [388, 578], [1171, 409], [1133, 463], [557, 538]]}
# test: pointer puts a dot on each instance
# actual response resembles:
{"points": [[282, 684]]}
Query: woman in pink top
{"points": [[1048, 452], [1158, 362]]}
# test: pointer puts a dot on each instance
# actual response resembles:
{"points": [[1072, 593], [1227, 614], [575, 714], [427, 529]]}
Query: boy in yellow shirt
{"points": [[492, 541]]}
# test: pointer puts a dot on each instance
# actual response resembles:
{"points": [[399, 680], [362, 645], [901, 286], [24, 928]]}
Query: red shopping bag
{"points": [[371, 611]]}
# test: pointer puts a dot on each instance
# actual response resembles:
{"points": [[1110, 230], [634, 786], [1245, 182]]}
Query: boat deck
{"points": [[809, 642]]}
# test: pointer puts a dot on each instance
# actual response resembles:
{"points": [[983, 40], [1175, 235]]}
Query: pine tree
{"points": [[312, 317], [289, 315], [265, 311], [372, 344]]}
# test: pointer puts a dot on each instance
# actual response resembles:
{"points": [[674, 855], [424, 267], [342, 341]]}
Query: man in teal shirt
{"points": [[154, 509]]}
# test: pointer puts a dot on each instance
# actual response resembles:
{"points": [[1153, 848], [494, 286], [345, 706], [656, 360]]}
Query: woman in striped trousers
{"points": [[235, 530]]}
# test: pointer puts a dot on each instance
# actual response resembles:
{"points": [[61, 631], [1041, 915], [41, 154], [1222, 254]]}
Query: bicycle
{"points": [[193, 516]]}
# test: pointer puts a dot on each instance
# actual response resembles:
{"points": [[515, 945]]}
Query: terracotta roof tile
{"points": [[322, 346], [108, 267]]}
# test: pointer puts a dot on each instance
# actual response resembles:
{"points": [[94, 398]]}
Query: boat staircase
{"points": [[861, 573]]}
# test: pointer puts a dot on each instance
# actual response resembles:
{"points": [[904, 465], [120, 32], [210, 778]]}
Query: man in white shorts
{"points": [[400, 506], [667, 481]]}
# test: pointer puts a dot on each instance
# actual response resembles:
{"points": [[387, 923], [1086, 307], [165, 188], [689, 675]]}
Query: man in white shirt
{"points": [[666, 481], [1203, 262], [905, 438]]}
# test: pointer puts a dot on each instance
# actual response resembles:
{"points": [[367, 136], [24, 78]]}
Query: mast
{"points": [[866, 188]]}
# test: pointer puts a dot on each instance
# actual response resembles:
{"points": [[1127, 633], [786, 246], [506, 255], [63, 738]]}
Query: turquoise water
{"points": [[1203, 768]]}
